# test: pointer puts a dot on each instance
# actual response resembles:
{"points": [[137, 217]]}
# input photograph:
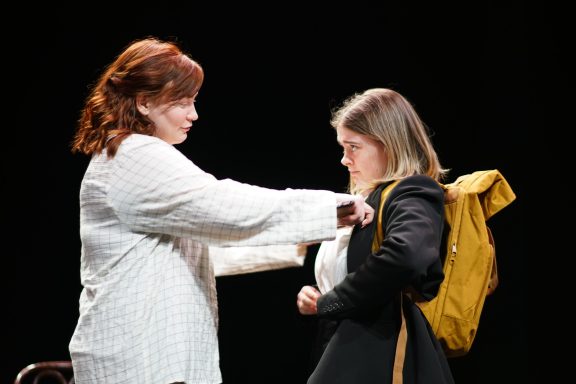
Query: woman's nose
{"points": [[192, 114], [345, 160]]}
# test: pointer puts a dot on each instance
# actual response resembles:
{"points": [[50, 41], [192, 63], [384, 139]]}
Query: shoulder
{"points": [[148, 148], [409, 193], [136, 140], [410, 186], [418, 187], [421, 183]]}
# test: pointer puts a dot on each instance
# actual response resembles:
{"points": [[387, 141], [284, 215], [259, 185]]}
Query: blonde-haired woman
{"points": [[358, 291]]}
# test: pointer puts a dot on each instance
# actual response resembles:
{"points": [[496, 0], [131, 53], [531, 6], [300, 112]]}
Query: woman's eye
{"points": [[185, 104], [353, 148]]}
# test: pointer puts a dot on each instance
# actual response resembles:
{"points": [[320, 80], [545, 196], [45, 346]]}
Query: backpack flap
{"points": [[492, 189]]}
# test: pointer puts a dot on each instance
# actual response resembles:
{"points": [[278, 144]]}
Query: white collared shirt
{"points": [[148, 310], [330, 266]]}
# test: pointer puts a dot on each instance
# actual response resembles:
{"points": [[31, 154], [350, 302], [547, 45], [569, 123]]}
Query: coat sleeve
{"points": [[408, 256]]}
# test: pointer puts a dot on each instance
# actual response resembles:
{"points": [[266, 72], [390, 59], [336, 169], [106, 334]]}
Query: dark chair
{"points": [[46, 372]]}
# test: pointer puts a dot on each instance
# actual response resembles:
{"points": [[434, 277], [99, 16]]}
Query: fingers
{"points": [[347, 208], [310, 291], [368, 215], [359, 212], [306, 301], [344, 198]]}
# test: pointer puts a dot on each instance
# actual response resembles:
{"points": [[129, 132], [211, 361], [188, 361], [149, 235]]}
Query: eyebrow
{"points": [[349, 142]]}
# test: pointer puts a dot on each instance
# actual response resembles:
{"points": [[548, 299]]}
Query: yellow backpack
{"points": [[469, 259]]}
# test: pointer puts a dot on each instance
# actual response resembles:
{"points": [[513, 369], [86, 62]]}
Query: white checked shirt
{"points": [[148, 310]]}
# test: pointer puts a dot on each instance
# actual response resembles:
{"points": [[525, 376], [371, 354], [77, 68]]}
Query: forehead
{"points": [[345, 135]]}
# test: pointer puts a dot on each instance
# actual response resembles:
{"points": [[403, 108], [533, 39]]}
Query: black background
{"points": [[272, 76]]}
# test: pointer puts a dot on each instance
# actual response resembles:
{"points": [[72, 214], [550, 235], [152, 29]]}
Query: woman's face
{"points": [[364, 156], [172, 120]]}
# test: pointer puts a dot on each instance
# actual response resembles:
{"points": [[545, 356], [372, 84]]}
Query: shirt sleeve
{"points": [[154, 188], [241, 260]]}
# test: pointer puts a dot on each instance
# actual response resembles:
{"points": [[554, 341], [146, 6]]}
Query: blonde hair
{"points": [[386, 116]]}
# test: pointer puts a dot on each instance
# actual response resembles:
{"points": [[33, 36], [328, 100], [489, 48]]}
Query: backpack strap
{"points": [[379, 235], [397, 373]]}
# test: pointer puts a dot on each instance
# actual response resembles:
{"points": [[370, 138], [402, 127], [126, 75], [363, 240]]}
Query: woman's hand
{"points": [[307, 298], [356, 212]]}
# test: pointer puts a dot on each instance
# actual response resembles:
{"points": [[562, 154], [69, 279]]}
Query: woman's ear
{"points": [[142, 105]]}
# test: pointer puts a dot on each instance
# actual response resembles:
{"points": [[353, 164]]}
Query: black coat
{"points": [[361, 315]]}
